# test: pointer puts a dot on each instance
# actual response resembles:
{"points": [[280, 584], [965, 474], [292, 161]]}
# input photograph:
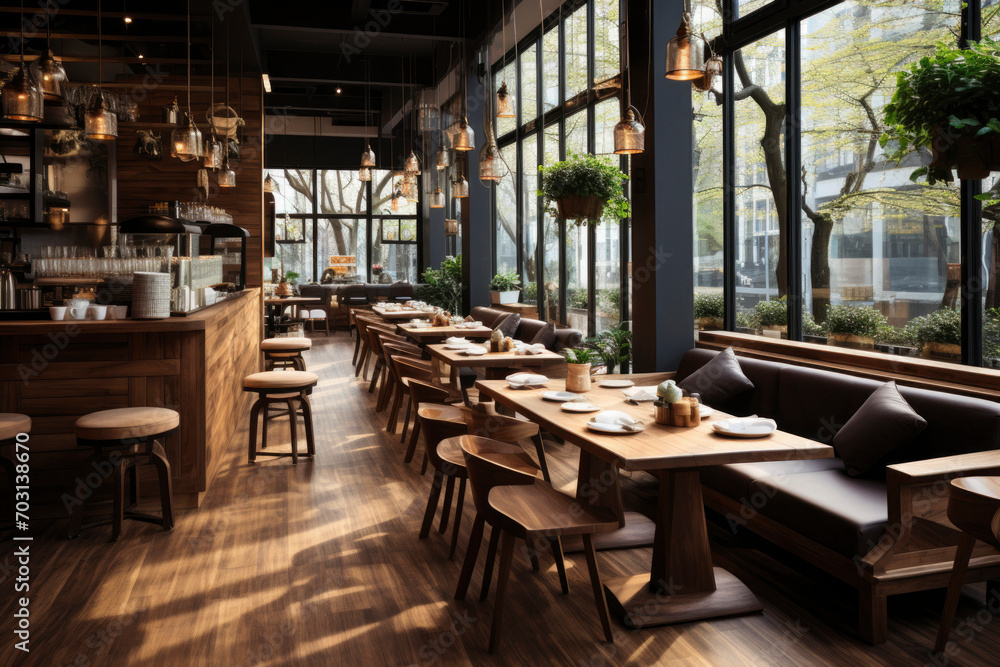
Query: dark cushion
{"points": [[845, 514], [545, 336], [762, 401], [734, 480], [885, 421], [719, 380], [488, 316], [508, 325]]}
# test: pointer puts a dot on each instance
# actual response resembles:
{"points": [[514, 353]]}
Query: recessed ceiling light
{"points": [[128, 19], [140, 56], [339, 91]]}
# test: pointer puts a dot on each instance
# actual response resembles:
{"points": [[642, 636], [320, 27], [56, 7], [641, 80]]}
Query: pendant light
{"points": [[451, 227], [685, 52], [49, 73], [465, 137], [100, 123], [505, 99], [368, 157], [460, 188], [226, 176], [437, 199], [411, 166], [396, 196], [271, 185], [630, 134], [365, 174], [443, 158], [185, 141], [213, 147], [22, 98]]}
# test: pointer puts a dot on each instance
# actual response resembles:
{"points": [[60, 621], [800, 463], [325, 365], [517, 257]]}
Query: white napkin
{"points": [[617, 418], [742, 424], [537, 348], [639, 394], [475, 350], [455, 340]]}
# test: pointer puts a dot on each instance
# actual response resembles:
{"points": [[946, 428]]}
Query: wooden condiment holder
{"points": [[683, 413]]}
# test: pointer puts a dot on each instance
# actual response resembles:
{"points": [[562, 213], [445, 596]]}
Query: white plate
{"points": [[559, 396], [705, 410], [745, 428], [527, 379], [575, 406], [616, 384], [475, 350], [421, 325], [457, 346], [610, 428]]}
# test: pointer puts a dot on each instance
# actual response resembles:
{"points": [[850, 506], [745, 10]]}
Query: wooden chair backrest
{"points": [[436, 430], [485, 474], [484, 422], [424, 392], [405, 367]]}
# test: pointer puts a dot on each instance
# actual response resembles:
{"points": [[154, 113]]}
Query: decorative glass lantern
{"points": [[365, 174], [412, 165], [491, 166], [100, 123], [50, 75], [465, 137], [630, 135], [685, 53], [443, 160], [22, 98], [213, 156], [227, 177], [450, 227], [460, 188], [505, 102], [368, 157], [185, 141], [437, 199]]}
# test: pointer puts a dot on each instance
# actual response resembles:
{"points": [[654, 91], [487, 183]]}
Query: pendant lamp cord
{"points": [[188, 55]]}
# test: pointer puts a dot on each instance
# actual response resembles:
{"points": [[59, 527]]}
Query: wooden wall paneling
{"points": [[78, 387]]}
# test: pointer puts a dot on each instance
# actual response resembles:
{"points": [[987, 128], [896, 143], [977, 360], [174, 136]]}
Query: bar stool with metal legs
{"points": [[285, 352], [285, 387], [11, 425], [133, 435]]}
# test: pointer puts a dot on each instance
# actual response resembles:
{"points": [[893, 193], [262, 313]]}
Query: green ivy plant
{"points": [[586, 175], [580, 355], [506, 280], [443, 287], [864, 321], [952, 92]]}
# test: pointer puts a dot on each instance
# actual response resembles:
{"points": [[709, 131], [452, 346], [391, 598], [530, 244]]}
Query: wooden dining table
{"points": [[682, 584], [424, 334], [494, 364]]}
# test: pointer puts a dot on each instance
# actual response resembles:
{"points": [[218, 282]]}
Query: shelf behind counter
{"points": [[56, 371]]}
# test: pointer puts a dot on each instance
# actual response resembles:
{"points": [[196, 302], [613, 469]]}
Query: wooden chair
{"points": [[389, 381], [407, 369], [361, 365], [441, 424], [422, 393], [375, 333], [519, 506], [974, 508]]}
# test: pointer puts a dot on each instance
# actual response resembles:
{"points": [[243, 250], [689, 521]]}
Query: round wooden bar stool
{"points": [[281, 387], [285, 352], [134, 435], [974, 508], [11, 424]]}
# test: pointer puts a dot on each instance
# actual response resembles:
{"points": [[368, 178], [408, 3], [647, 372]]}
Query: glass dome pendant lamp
{"points": [[685, 53], [368, 157], [185, 141], [21, 97], [505, 99], [49, 73], [437, 199], [100, 123], [213, 147], [460, 188], [629, 133]]}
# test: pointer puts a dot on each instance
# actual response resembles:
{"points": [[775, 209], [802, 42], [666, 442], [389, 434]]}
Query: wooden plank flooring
{"points": [[319, 564]]}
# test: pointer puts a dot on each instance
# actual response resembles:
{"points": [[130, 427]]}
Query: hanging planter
{"points": [[585, 188], [946, 103]]}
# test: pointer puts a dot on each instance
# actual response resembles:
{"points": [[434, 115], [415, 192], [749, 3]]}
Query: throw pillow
{"points": [[885, 421], [718, 381], [546, 336], [508, 325]]}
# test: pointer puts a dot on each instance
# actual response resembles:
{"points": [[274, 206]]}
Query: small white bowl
{"points": [[57, 312], [97, 312]]}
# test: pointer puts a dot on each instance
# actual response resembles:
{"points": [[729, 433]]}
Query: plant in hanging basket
{"points": [[947, 103], [584, 188]]}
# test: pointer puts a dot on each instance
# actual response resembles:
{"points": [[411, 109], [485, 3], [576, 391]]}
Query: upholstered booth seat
{"points": [[528, 330], [11, 424], [126, 423]]}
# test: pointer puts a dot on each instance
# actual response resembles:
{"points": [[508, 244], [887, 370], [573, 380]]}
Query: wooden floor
{"points": [[319, 564]]}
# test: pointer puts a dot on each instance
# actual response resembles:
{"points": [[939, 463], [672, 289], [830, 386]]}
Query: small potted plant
{"points": [[709, 310], [772, 317], [376, 269], [505, 287], [947, 103], [584, 188], [854, 326], [614, 346], [578, 363], [938, 334]]}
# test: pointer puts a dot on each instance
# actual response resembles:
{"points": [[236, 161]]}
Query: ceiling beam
{"points": [[337, 32]]}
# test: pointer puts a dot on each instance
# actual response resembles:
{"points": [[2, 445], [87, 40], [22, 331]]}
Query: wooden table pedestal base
{"points": [[639, 607]]}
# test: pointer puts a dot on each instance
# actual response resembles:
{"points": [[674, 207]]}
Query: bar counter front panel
{"points": [[55, 372]]}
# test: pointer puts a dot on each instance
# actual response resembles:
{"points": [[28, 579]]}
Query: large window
{"points": [[325, 217], [571, 65], [830, 241]]}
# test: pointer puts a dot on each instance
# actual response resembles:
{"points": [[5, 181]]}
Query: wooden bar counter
{"points": [[56, 371]]}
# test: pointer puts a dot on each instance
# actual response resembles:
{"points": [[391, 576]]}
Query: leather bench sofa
{"points": [[527, 329], [883, 532], [362, 292]]}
